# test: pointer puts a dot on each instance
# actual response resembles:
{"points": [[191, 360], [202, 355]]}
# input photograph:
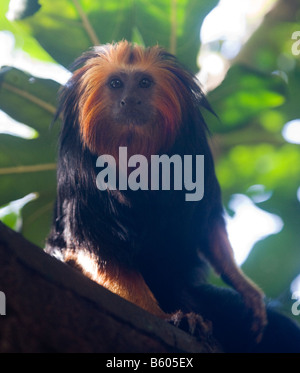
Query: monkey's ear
{"points": [[93, 52], [205, 103], [83, 58]]}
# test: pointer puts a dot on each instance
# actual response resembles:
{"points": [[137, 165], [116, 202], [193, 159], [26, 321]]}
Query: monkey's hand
{"points": [[253, 299], [193, 324]]}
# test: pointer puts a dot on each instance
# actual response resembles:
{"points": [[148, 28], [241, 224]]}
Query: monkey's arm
{"points": [[221, 257]]}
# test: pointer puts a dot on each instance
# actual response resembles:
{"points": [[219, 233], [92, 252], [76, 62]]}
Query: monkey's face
{"points": [[129, 96]]}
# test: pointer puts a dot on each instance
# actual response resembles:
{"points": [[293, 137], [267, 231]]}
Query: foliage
{"points": [[253, 104]]}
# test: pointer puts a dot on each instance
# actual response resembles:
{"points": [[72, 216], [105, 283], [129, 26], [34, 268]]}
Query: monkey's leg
{"points": [[221, 257], [126, 283], [131, 286]]}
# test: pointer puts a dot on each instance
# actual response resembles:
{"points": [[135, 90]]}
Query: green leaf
{"points": [[67, 28], [28, 166], [277, 168], [11, 213], [243, 95], [12, 127]]}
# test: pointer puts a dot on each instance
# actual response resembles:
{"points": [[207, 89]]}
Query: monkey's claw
{"points": [[192, 323]]}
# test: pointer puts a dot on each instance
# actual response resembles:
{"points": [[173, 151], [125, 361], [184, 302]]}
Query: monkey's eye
{"points": [[116, 83], [145, 83]]}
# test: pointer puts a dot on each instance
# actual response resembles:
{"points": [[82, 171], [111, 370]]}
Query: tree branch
{"points": [[86, 24], [52, 308]]}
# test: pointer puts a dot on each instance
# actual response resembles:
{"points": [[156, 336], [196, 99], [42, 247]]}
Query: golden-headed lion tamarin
{"points": [[149, 246]]}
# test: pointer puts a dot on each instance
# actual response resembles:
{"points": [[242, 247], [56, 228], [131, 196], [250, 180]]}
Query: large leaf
{"points": [[28, 166], [67, 28]]}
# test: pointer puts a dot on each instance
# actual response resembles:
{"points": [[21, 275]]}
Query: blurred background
{"points": [[246, 55]]}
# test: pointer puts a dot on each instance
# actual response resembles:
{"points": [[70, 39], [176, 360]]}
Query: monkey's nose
{"points": [[130, 101]]}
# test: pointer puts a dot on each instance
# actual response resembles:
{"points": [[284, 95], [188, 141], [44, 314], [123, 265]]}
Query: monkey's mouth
{"points": [[132, 117]]}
